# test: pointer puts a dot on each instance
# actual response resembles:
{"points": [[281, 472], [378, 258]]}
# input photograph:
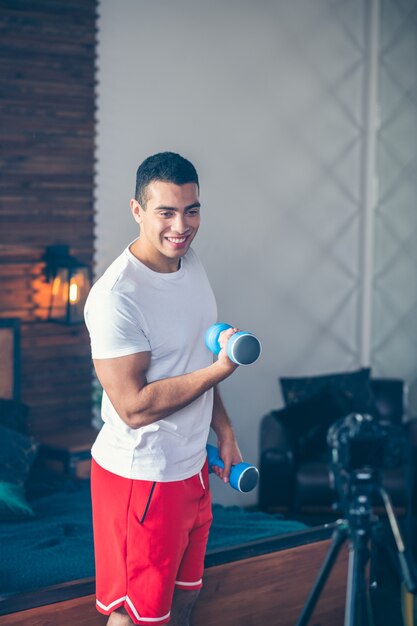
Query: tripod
{"points": [[360, 527]]}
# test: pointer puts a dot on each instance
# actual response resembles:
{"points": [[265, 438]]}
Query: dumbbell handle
{"points": [[243, 476], [242, 348]]}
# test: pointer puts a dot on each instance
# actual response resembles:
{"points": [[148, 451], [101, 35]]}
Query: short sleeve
{"points": [[114, 324]]}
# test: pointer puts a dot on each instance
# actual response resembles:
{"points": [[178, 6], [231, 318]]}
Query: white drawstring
{"points": [[200, 475]]}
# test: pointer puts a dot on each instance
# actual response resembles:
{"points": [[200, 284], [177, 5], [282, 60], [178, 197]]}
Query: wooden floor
{"points": [[266, 590]]}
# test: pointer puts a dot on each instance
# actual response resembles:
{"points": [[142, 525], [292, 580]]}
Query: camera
{"points": [[361, 447], [360, 441]]}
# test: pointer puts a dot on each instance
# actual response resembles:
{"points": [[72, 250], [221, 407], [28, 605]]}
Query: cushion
{"points": [[17, 454], [308, 421], [13, 504], [45, 481], [355, 386]]}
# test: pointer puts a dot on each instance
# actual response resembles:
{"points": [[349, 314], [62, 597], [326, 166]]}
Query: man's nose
{"points": [[180, 223]]}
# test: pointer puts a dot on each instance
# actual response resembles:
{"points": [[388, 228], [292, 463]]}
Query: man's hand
{"points": [[222, 356], [230, 455]]}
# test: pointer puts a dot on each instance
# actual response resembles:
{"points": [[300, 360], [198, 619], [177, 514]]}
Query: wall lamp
{"points": [[70, 283]]}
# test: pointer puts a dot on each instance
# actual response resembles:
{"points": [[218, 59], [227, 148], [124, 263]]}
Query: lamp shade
{"points": [[70, 283]]}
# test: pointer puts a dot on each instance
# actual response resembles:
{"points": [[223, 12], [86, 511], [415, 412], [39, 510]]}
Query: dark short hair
{"points": [[167, 167]]}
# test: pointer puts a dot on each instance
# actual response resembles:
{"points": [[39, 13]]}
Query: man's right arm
{"points": [[140, 403]]}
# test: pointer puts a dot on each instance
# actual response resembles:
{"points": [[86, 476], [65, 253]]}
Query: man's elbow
{"points": [[134, 419], [133, 410]]}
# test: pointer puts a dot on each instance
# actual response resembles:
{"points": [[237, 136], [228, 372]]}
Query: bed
{"points": [[259, 568]]}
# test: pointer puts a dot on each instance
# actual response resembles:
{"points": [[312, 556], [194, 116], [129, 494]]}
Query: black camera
{"points": [[361, 447], [361, 441]]}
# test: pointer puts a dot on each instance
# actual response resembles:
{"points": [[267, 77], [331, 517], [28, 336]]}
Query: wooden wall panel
{"points": [[47, 78]]}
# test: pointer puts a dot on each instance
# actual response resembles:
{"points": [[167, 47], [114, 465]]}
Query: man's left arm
{"points": [[226, 441]]}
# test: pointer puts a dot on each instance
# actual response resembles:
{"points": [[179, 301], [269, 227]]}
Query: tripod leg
{"points": [[338, 539], [356, 584], [406, 565], [385, 579]]}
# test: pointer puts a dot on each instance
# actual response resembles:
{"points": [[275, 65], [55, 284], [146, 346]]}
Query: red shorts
{"points": [[149, 538]]}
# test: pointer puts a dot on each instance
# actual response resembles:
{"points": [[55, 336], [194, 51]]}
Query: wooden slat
{"points": [[55, 424], [41, 217], [71, 358], [60, 145], [81, 49], [47, 181], [15, 270], [74, 121], [70, 401], [71, 9], [38, 230], [12, 204], [40, 335], [41, 163]]}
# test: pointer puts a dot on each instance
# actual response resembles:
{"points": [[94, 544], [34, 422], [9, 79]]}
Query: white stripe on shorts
{"points": [[111, 605], [145, 619], [198, 582]]}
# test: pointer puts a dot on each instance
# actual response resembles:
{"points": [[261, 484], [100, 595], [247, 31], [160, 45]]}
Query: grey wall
{"points": [[395, 283], [268, 99]]}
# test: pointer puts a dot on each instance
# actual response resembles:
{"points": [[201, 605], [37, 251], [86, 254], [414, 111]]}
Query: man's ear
{"points": [[137, 210]]}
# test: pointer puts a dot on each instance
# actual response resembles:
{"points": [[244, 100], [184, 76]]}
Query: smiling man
{"points": [[169, 218], [147, 316]]}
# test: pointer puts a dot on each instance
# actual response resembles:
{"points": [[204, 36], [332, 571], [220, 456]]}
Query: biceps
{"points": [[122, 378]]}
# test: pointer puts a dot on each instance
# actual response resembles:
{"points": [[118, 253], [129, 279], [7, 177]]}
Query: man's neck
{"points": [[161, 264]]}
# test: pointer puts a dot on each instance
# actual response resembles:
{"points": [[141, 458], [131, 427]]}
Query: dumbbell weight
{"points": [[242, 348], [243, 476]]}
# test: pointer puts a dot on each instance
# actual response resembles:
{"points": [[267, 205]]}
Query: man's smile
{"points": [[178, 242]]}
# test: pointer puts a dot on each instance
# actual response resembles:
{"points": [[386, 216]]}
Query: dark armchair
{"points": [[294, 474]]}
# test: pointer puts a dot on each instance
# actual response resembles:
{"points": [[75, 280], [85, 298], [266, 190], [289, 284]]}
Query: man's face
{"points": [[168, 224]]}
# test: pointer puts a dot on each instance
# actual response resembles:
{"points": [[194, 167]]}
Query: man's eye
{"points": [[193, 212], [166, 214]]}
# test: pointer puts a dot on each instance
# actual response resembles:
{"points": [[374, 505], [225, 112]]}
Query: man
{"points": [[147, 316]]}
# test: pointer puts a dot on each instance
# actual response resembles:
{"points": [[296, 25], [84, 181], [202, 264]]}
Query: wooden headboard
{"points": [[9, 359]]}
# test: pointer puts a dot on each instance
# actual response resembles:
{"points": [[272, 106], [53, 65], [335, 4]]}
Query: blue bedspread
{"points": [[57, 545]]}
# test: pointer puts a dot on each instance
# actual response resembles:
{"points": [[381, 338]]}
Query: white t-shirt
{"points": [[133, 309]]}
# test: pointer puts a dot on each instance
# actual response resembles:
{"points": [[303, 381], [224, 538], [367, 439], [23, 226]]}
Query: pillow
{"points": [[45, 481], [355, 386], [13, 505], [17, 454], [308, 421]]}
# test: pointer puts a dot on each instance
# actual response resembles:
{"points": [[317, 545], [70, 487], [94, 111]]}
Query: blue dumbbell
{"points": [[242, 348], [243, 476]]}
